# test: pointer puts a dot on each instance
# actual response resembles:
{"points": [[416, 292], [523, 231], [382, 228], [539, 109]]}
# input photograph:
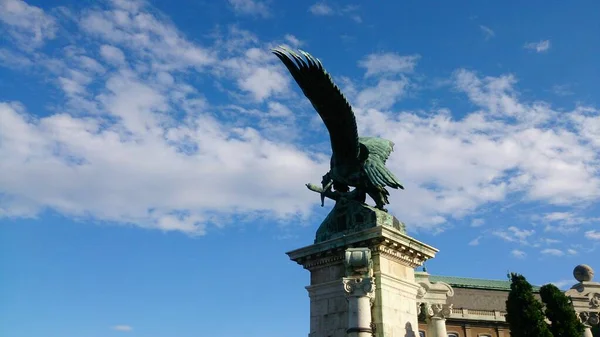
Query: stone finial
{"points": [[583, 273]]}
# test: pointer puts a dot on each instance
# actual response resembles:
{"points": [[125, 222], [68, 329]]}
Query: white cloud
{"points": [[475, 242], [477, 222], [487, 31], [562, 90], [98, 172], [565, 222], [124, 157], [151, 38], [123, 328], [563, 283], [250, 7], [592, 235], [571, 251], [320, 8], [350, 11], [382, 96], [538, 47], [388, 64], [552, 252], [294, 41], [514, 234], [139, 143], [506, 147], [323, 9], [257, 73], [13, 59], [29, 25], [558, 216], [519, 254], [112, 54]]}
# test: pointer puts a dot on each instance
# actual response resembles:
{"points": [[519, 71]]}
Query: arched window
{"points": [[452, 334], [421, 333]]}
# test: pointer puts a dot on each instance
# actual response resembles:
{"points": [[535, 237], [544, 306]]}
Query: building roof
{"points": [[474, 283]]}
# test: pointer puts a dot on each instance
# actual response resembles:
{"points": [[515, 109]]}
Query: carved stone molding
{"points": [[400, 253], [323, 259], [594, 300], [380, 240]]}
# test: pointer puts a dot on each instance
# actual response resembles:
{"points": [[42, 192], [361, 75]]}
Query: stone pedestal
{"points": [[394, 257]]}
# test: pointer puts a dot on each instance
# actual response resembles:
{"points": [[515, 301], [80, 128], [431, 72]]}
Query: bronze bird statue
{"points": [[357, 162]]}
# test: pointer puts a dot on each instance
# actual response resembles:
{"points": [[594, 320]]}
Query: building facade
{"points": [[477, 307]]}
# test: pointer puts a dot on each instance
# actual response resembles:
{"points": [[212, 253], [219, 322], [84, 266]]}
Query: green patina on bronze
{"points": [[357, 162], [349, 216]]}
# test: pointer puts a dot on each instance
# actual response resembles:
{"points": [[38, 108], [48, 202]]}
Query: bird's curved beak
{"points": [[326, 188]]}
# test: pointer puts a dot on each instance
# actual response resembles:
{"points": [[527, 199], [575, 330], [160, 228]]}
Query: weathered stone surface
{"points": [[394, 255], [350, 216]]}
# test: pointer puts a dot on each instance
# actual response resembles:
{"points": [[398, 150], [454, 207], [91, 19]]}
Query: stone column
{"points": [[360, 293], [436, 319]]}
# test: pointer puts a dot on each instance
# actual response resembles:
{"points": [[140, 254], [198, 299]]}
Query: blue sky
{"points": [[153, 155]]}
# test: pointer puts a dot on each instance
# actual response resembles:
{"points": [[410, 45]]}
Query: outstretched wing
{"points": [[374, 166], [328, 100]]}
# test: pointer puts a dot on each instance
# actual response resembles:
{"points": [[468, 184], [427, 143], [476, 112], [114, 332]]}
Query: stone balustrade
{"points": [[470, 314]]}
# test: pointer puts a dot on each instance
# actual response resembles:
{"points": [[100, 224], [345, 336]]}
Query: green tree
{"points": [[560, 312], [524, 313], [596, 331]]}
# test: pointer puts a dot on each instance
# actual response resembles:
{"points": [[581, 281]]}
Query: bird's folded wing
{"points": [[382, 148], [379, 175], [328, 100]]}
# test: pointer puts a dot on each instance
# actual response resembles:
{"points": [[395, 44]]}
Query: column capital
{"points": [[589, 318], [359, 286], [438, 311]]}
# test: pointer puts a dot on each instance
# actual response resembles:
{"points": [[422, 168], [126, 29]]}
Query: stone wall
{"points": [[462, 330]]}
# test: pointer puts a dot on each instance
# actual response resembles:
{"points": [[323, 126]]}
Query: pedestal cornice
{"points": [[381, 240]]}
